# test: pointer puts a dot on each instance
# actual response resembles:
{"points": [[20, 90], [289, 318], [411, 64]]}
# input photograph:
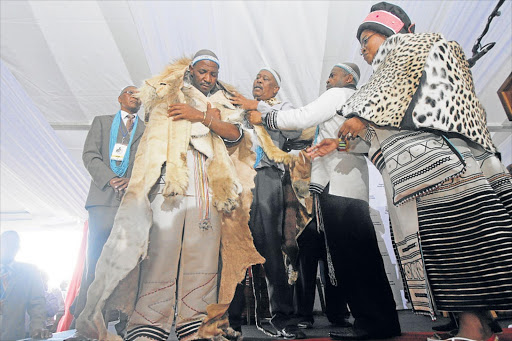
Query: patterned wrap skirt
{"points": [[450, 206]]}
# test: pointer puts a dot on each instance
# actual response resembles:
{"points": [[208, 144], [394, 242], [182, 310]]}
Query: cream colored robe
{"points": [[230, 175]]}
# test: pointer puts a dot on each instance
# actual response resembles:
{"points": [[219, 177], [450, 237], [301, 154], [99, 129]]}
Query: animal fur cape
{"points": [[231, 178], [427, 77]]}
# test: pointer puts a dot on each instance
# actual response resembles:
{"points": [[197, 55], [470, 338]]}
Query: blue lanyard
{"points": [[120, 169]]}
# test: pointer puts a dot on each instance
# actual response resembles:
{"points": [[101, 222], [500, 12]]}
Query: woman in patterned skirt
{"points": [[449, 197]]}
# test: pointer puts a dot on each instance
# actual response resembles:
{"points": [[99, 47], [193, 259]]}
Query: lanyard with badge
{"points": [[120, 152], [120, 148]]}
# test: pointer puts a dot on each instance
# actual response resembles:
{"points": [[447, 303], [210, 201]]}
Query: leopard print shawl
{"points": [[428, 76]]}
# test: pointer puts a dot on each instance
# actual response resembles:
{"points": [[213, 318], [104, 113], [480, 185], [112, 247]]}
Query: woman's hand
{"points": [[351, 128], [323, 148]]}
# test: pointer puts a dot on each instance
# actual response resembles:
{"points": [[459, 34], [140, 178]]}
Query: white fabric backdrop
{"points": [[34, 162], [71, 58], [64, 62]]}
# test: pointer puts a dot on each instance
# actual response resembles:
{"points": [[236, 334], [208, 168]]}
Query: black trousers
{"points": [[311, 252], [358, 264], [266, 225]]}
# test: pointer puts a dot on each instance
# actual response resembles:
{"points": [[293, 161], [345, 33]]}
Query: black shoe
{"points": [[349, 334], [361, 334], [345, 323], [292, 332], [446, 327], [495, 327], [236, 328], [305, 325], [289, 332]]}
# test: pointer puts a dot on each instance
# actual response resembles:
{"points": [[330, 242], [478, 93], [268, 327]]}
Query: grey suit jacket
{"points": [[25, 293], [96, 158]]}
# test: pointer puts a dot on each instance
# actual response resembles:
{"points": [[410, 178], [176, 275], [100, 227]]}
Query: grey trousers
{"points": [[179, 276]]}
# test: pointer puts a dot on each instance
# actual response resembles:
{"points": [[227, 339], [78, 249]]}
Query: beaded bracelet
{"points": [[342, 145]]}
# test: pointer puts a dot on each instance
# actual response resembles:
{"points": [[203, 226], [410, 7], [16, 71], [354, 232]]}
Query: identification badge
{"points": [[118, 152]]}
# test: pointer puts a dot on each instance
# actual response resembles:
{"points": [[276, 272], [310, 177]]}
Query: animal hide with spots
{"points": [[424, 79]]}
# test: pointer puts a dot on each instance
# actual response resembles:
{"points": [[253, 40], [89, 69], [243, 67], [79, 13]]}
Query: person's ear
{"points": [[276, 90]]}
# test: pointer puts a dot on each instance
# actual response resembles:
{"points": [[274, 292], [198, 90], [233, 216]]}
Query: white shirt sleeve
{"points": [[263, 107], [316, 112]]}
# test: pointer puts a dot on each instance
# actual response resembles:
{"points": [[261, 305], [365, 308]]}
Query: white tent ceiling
{"points": [[64, 62]]}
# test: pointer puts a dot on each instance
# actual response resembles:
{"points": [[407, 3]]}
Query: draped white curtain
{"points": [[34, 162], [302, 40], [285, 35], [66, 61]]}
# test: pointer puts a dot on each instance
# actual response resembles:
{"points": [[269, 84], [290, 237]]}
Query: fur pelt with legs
{"points": [[230, 176], [273, 152]]}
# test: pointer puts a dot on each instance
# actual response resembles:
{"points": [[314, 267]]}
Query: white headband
{"points": [[349, 70], [205, 57], [274, 73]]}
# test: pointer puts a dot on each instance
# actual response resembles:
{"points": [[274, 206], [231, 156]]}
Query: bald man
{"points": [[108, 155]]}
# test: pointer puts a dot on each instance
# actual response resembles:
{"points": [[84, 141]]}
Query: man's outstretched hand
{"points": [[323, 148]]}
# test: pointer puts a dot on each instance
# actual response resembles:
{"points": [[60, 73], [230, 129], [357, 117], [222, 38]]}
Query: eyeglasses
{"points": [[129, 92], [364, 42]]}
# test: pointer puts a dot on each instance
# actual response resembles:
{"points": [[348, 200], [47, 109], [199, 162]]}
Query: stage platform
{"points": [[414, 328]]}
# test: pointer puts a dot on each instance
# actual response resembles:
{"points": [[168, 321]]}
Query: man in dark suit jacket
{"points": [[109, 154], [21, 293]]}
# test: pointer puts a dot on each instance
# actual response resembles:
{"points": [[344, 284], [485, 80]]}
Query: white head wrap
{"points": [[274, 73], [350, 70], [205, 55]]}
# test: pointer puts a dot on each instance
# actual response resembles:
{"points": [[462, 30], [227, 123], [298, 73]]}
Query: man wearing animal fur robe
{"points": [[267, 209], [189, 200]]}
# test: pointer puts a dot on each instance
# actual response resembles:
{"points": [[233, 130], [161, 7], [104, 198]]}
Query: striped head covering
{"points": [[351, 69], [205, 55], [386, 19], [274, 73]]}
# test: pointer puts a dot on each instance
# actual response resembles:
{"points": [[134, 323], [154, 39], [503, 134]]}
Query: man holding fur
{"points": [[339, 183], [267, 209], [188, 192]]}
